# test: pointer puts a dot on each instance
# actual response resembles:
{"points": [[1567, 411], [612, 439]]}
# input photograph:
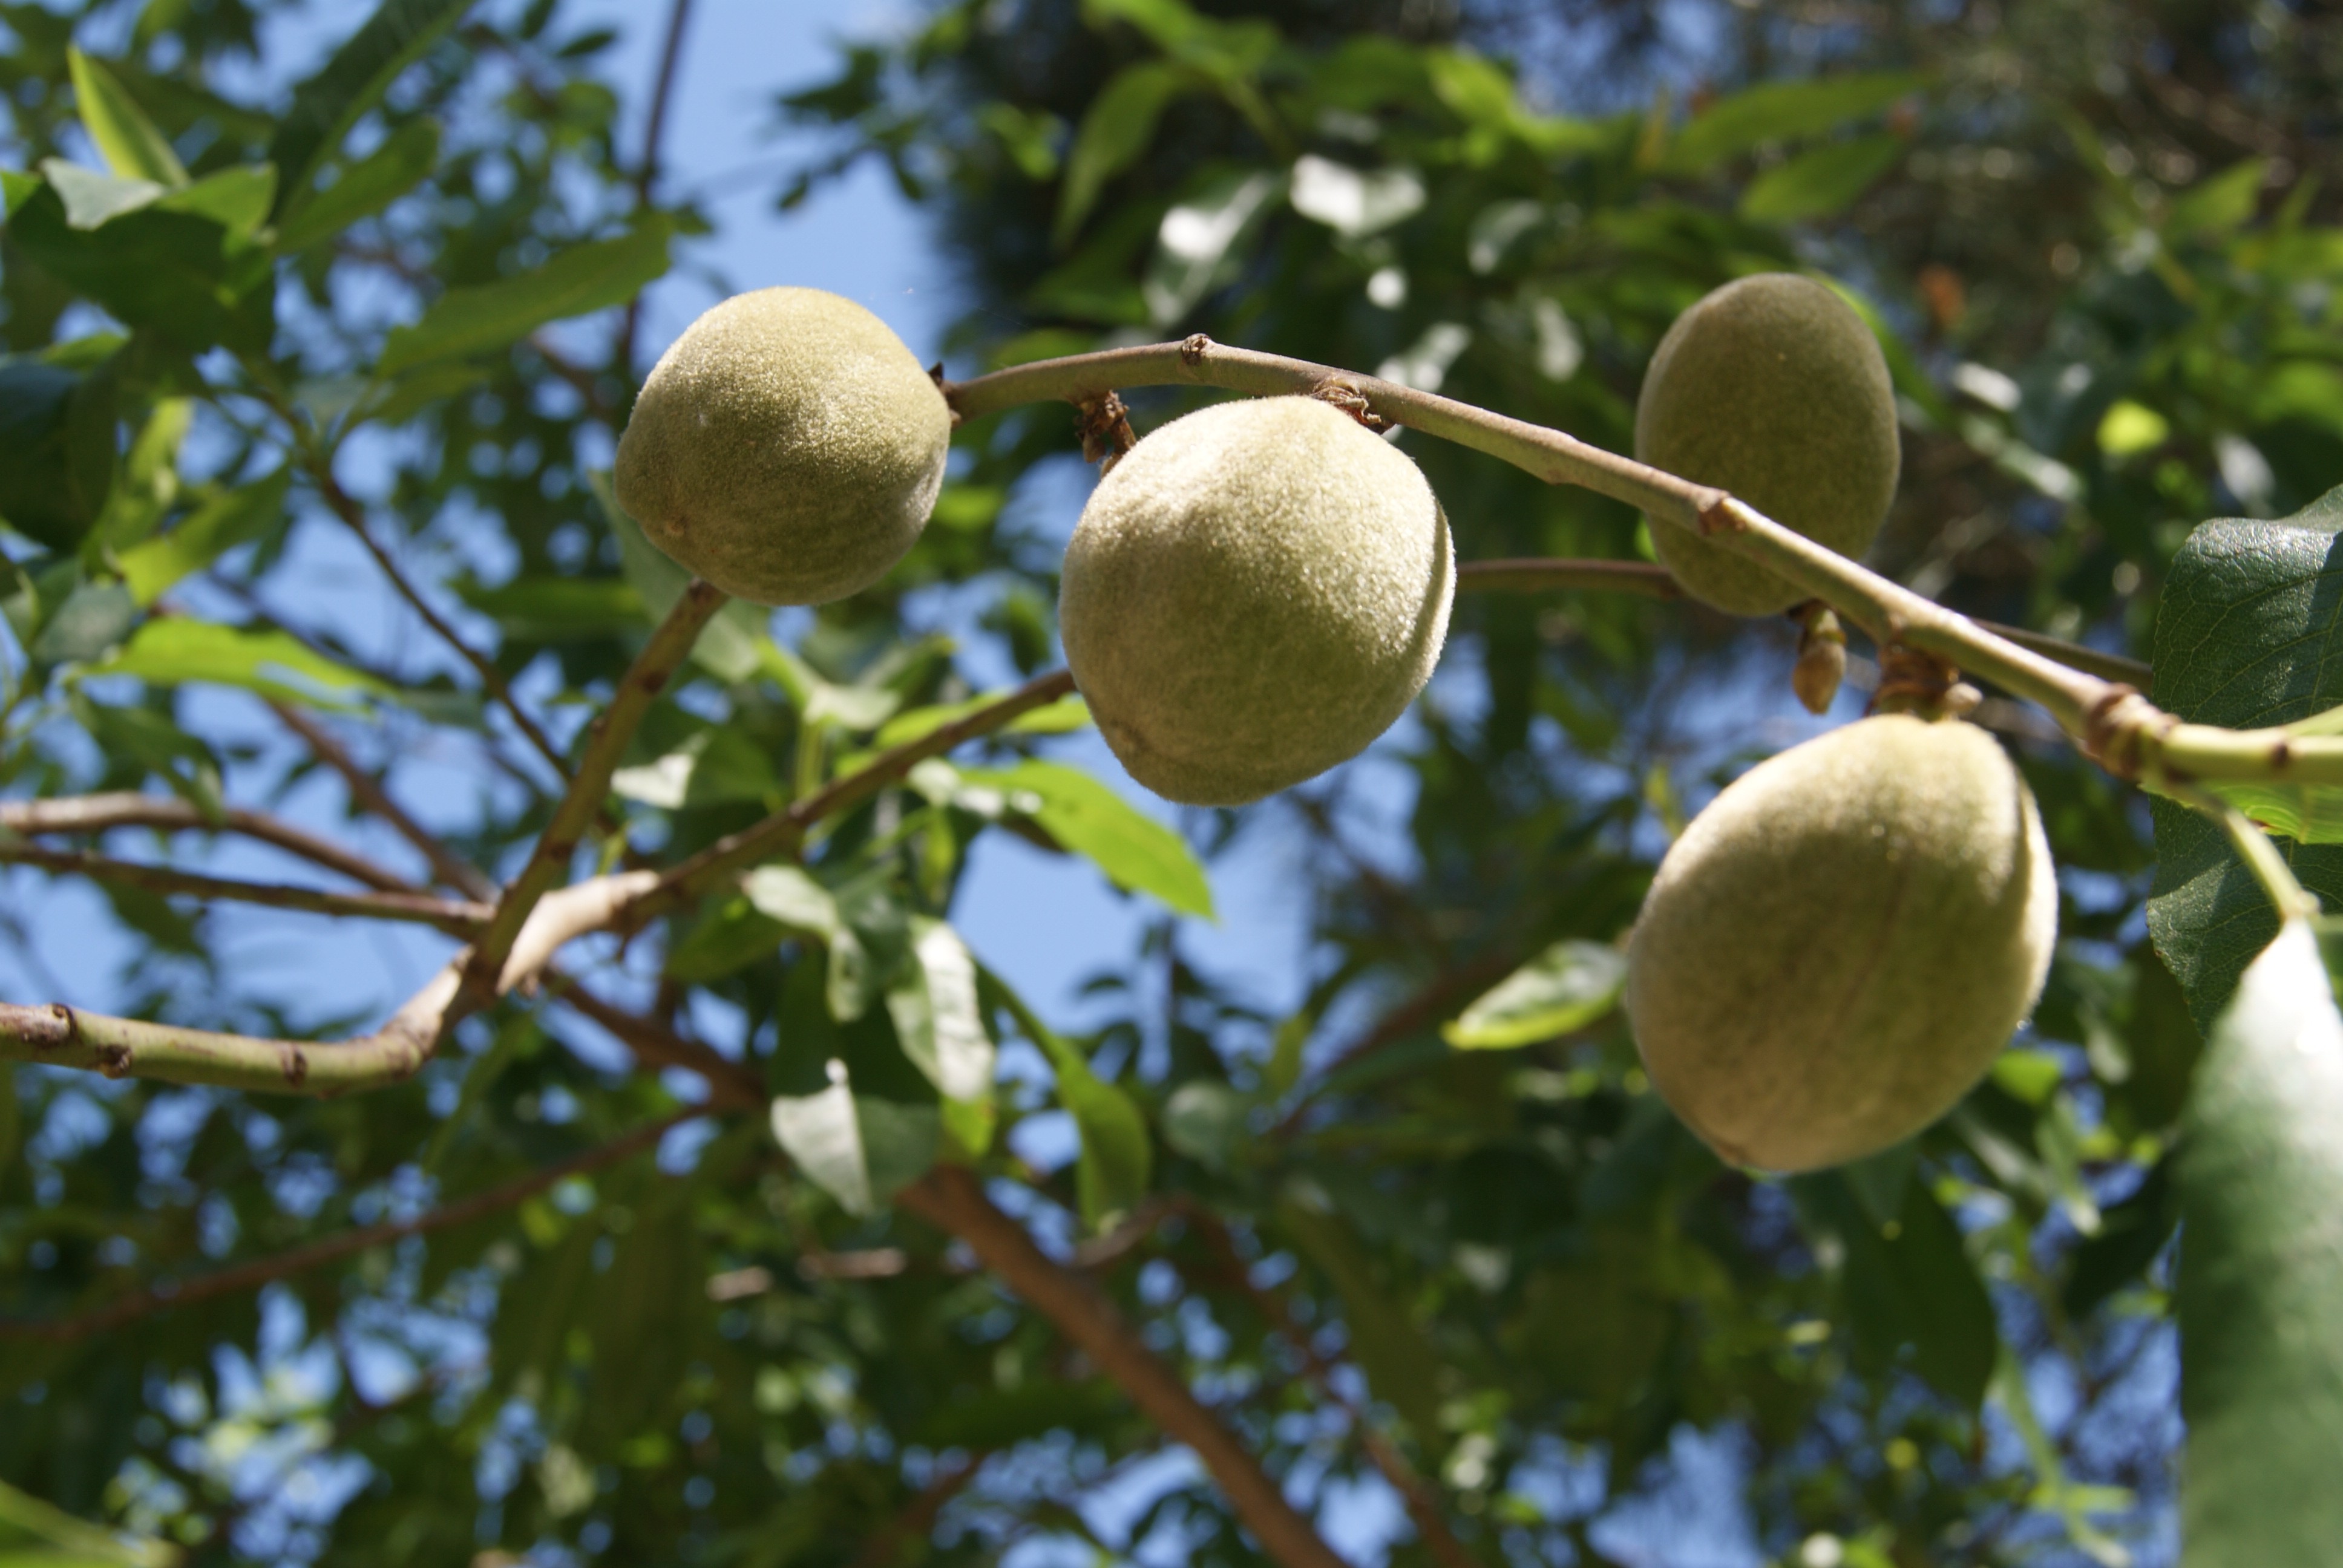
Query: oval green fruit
{"points": [[1837, 948], [788, 447], [1255, 592], [1772, 388]]}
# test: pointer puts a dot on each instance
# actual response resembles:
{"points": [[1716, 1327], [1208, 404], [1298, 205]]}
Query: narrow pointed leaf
{"points": [[579, 280], [1135, 851], [131, 147], [1564, 988], [350, 84]]}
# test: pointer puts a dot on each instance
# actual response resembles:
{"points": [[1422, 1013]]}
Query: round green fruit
{"points": [[1772, 389], [787, 447], [1255, 592], [1834, 951]]}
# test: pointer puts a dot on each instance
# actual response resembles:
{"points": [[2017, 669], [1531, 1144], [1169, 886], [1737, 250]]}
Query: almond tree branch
{"points": [[168, 813], [1541, 574], [951, 1198], [581, 802], [166, 1294], [370, 793], [1423, 1502], [460, 919], [732, 1085], [2109, 722], [780, 833], [60, 1036], [345, 507]]}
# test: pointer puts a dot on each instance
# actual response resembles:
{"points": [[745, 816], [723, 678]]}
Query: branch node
{"points": [[1719, 518], [1351, 400], [1193, 348], [2116, 731], [1911, 682], [1103, 423]]}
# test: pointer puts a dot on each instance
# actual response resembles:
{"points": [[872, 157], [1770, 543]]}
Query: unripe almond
{"points": [[1772, 388], [788, 447], [1255, 592], [1837, 948]]}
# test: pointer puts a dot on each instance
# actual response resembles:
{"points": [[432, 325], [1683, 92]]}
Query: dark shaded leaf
{"points": [[351, 83]]}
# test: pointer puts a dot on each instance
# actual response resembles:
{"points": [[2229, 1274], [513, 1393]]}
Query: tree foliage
{"points": [[1430, 1232]]}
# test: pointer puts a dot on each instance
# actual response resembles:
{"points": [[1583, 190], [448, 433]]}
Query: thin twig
{"points": [[1423, 1503], [352, 515], [461, 920], [367, 791], [951, 1198], [299, 1259], [646, 173], [2109, 722], [581, 802], [1645, 579], [732, 1085], [168, 813]]}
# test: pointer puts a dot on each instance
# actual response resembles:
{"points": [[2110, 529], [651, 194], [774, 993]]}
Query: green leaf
{"points": [[174, 650], [239, 516], [350, 84], [2219, 205], [1135, 851], [1117, 1163], [933, 1004], [859, 1149], [1060, 717], [1564, 988], [80, 1541], [1401, 1367], [2246, 635], [364, 188], [128, 140], [558, 609], [56, 449], [1909, 1283], [218, 289], [238, 199], [1002, 1418], [93, 200], [1115, 130], [2260, 1304], [1821, 182], [1781, 112], [584, 278]]}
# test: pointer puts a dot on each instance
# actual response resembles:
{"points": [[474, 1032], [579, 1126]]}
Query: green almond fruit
{"points": [[1837, 948], [788, 447], [1255, 592], [1772, 388]]}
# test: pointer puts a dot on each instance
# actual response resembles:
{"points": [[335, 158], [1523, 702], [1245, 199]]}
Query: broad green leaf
{"points": [[558, 609], [56, 449], [1115, 130], [2260, 1289], [1479, 92], [364, 188], [1821, 182], [172, 651], [1116, 1166], [1401, 1367], [2245, 636], [1781, 112], [720, 764], [218, 289], [1207, 1121], [937, 1019], [1908, 1283], [582, 280], [859, 1149], [1564, 988], [1135, 851], [93, 200], [80, 1541], [1203, 241], [350, 86], [131, 145], [238, 199], [1060, 717], [2219, 205], [789, 895], [93, 618], [239, 516]]}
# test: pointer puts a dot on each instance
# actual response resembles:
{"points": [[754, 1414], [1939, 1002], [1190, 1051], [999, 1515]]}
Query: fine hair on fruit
{"points": [[788, 447], [1837, 948], [1255, 592]]}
